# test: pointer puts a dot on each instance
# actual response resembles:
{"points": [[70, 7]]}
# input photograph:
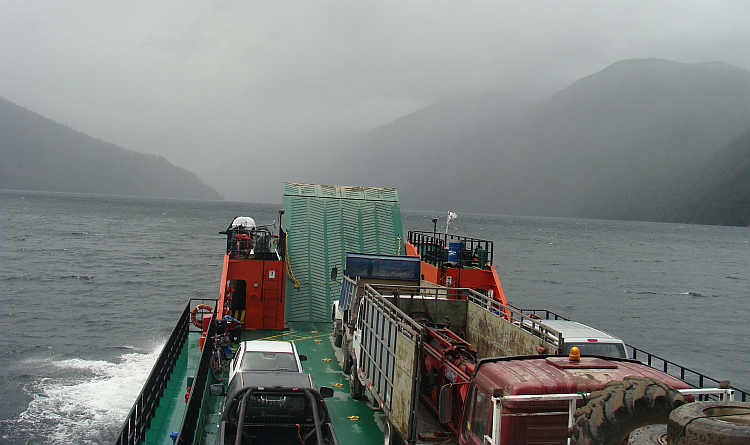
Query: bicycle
{"points": [[222, 352]]}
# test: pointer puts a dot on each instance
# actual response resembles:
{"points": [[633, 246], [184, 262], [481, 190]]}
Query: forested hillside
{"points": [[39, 154], [718, 190]]}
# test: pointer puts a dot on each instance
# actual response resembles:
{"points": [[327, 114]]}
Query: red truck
{"points": [[454, 365]]}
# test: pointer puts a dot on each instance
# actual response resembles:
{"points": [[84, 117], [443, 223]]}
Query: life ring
{"points": [[612, 413], [194, 314]]}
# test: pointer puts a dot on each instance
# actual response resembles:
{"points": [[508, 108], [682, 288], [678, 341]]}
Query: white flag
{"points": [[451, 217]]}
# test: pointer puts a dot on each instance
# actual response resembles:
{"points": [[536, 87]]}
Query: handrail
{"points": [[692, 378], [192, 416], [439, 243], [137, 422]]}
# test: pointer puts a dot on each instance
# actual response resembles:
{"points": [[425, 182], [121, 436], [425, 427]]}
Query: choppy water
{"points": [[90, 287]]}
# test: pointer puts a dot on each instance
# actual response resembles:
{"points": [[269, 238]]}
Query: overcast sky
{"points": [[194, 81]]}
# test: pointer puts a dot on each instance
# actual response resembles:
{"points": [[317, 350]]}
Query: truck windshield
{"points": [[616, 350], [268, 361]]}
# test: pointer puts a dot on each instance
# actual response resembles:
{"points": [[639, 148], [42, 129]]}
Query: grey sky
{"points": [[194, 81]]}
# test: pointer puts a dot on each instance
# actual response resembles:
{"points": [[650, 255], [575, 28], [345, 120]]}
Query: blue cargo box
{"points": [[387, 267]]}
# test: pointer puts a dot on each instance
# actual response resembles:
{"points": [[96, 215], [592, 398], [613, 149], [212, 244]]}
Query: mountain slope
{"points": [[719, 188], [39, 154], [607, 144], [617, 144]]}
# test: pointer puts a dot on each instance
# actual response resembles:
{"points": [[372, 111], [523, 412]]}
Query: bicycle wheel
{"points": [[217, 366]]}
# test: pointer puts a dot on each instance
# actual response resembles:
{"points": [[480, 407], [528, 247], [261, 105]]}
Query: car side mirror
{"points": [[302, 358], [218, 390], [326, 392]]}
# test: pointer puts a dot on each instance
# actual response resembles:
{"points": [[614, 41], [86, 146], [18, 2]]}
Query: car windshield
{"points": [[597, 348], [268, 361]]}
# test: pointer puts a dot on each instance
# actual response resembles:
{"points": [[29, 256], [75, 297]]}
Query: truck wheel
{"points": [[391, 435], [346, 366], [355, 387], [613, 412], [720, 423], [337, 337]]}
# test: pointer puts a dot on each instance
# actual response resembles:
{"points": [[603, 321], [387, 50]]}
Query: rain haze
{"points": [[202, 82]]}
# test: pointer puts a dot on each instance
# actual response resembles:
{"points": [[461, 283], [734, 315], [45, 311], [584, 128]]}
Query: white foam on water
{"points": [[89, 403]]}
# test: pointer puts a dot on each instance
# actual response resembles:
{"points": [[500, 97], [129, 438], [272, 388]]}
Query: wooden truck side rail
{"points": [[494, 329], [389, 357]]}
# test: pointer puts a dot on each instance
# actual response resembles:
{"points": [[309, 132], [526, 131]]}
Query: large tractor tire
{"points": [[612, 413], [715, 423]]}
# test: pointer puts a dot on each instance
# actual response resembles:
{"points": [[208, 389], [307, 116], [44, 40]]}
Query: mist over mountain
{"points": [[644, 139], [624, 143], [39, 154], [718, 191]]}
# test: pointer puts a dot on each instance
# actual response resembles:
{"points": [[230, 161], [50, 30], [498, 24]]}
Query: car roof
{"points": [[572, 330], [268, 346]]}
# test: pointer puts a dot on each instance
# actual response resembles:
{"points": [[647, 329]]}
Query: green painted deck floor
{"points": [[168, 416], [323, 362]]}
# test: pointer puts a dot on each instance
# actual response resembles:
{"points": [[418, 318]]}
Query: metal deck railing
{"points": [[433, 248], [689, 376], [138, 421], [192, 419]]}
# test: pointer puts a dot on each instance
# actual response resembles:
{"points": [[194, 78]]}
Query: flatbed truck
{"points": [[454, 365]]}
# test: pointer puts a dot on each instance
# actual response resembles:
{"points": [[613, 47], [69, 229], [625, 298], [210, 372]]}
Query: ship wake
{"points": [[83, 401]]}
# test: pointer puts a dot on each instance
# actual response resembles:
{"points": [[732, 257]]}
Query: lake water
{"points": [[91, 286]]}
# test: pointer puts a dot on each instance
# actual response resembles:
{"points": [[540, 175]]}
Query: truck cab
{"points": [[528, 400]]}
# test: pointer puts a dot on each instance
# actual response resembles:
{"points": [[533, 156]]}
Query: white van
{"points": [[590, 341]]}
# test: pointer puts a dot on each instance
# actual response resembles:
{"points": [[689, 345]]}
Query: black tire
{"points": [[337, 337], [612, 413], [346, 365], [391, 435], [355, 387], [710, 423]]}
